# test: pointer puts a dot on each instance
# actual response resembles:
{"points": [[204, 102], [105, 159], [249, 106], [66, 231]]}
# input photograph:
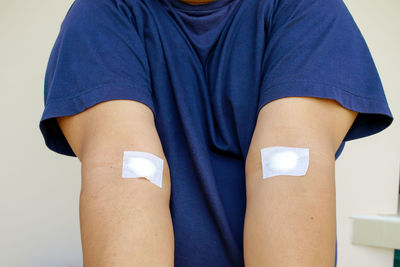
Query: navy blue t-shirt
{"points": [[206, 71]]}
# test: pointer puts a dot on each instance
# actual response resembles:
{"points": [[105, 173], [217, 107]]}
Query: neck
{"points": [[197, 2]]}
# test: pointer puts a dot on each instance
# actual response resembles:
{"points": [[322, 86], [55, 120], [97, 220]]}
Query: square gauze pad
{"points": [[143, 164], [283, 160]]}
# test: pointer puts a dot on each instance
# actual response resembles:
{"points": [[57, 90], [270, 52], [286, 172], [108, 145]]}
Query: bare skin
{"points": [[291, 220], [124, 222], [197, 2]]}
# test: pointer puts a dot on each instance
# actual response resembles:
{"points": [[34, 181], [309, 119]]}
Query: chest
{"points": [[210, 87]]}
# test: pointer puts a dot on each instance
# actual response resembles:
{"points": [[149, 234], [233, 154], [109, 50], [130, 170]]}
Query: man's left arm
{"points": [[291, 220]]}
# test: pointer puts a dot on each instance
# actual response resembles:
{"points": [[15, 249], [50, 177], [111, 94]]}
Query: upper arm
{"points": [[317, 123], [287, 215], [100, 134]]}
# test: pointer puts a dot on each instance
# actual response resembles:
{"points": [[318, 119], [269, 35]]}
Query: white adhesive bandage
{"points": [[283, 160], [143, 164]]}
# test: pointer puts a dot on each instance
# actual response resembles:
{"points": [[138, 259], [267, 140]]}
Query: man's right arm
{"points": [[124, 222]]}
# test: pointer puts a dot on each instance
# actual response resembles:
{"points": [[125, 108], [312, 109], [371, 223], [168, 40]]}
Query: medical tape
{"points": [[137, 164], [283, 160]]}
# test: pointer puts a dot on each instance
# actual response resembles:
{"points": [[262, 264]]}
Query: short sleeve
{"points": [[314, 48], [98, 55]]}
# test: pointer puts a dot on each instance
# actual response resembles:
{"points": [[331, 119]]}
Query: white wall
{"points": [[367, 173], [39, 189]]}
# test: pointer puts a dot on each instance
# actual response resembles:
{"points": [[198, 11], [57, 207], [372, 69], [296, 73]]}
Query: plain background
{"points": [[39, 189]]}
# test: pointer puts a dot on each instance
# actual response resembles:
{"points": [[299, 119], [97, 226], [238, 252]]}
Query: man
{"points": [[204, 87]]}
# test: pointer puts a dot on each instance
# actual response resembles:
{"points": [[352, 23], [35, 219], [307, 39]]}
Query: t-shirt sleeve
{"points": [[315, 49], [98, 55]]}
